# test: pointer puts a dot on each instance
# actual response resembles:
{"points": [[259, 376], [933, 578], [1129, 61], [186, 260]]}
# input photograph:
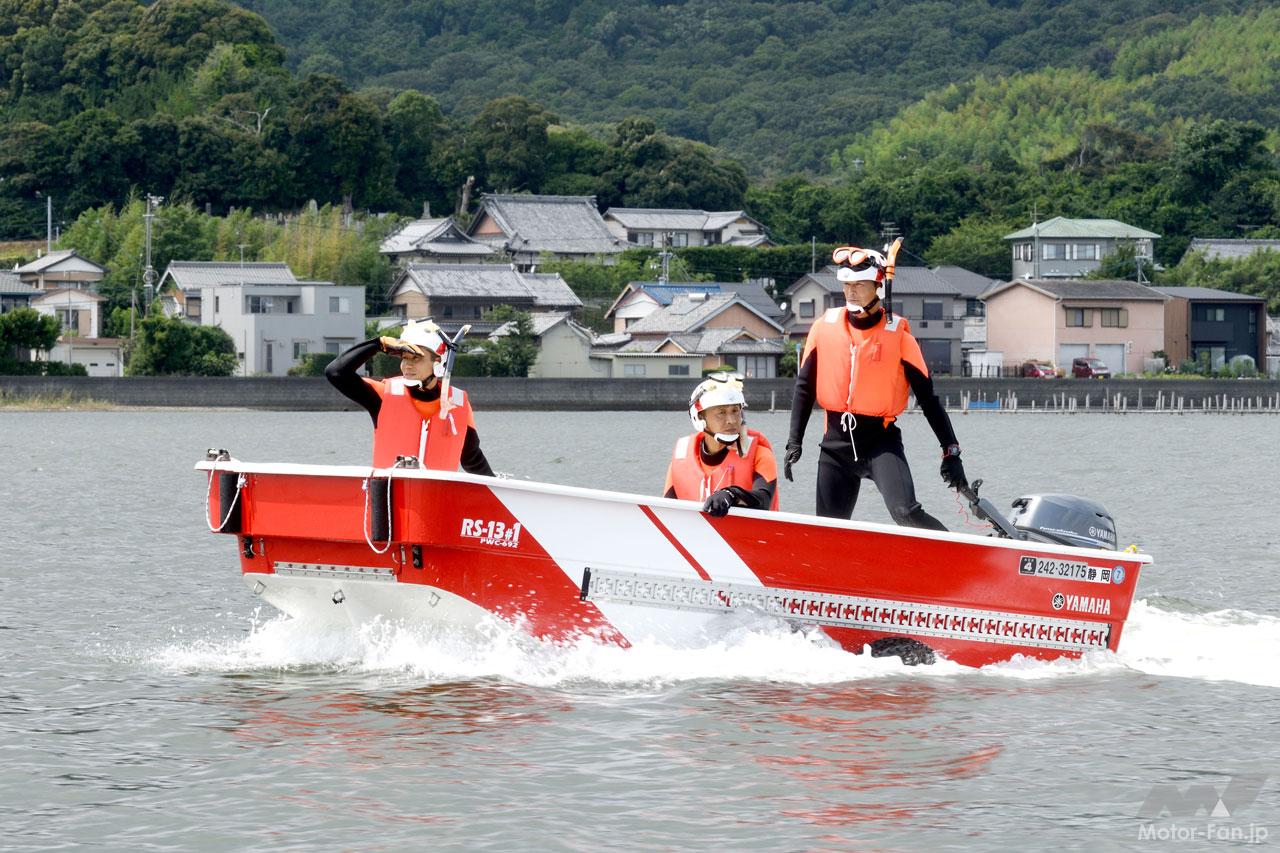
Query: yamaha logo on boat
{"points": [[1059, 601], [491, 532], [1063, 570], [1082, 604]]}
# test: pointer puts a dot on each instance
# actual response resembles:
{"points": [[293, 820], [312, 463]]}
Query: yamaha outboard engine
{"points": [[1060, 519], [1065, 520]]}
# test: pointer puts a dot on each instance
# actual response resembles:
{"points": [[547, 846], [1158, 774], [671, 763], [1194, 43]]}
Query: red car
{"points": [[1038, 370], [1090, 368]]}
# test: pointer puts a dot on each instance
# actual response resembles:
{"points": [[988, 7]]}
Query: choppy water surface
{"points": [[149, 702]]}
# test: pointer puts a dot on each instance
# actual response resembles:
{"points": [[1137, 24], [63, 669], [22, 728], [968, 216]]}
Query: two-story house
{"points": [[1216, 324], [1056, 320], [79, 313], [970, 286], [63, 268], [934, 309], [274, 318], [527, 227], [656, 227], [1072, 248]]}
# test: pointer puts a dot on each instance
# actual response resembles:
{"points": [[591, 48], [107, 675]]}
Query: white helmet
{"points": [[718, 389], [426, 337], [857, 264]]}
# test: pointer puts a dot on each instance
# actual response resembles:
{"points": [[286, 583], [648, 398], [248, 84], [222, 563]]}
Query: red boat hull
{"points": [[562, 562]]}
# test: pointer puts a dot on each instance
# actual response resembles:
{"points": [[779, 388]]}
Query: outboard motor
{"points": [[1060, 519], [1064, 520]]}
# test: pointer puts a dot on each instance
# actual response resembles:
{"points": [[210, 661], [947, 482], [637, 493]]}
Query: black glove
{"points": [[792, 457], [719, 502], [953, 470]]}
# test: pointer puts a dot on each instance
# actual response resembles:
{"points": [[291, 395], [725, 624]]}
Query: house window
{"points": [[677, 370], [447, 311], [217, 304], [299, 349], [1213, 315], [1053, 251], [1084, 251], [644, 238], [680, 239], [257, 305], [1022, 251], [633, 370], [710, 238], [974, 308], [806, 309], [288, 306], [339, 305], [268, 346], [1079, 317], [933, 311], [1114, 318], [757, 366], [67, 318]]}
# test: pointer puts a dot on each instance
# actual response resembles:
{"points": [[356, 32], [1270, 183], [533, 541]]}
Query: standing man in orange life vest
{"points": [[722, 464], [860, 365], [409, 417]]}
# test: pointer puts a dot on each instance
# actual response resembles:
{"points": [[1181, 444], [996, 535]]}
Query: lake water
{"points": [[149, 702]]}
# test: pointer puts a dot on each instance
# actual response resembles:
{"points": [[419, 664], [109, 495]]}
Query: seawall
{"points": [[315, 394]]}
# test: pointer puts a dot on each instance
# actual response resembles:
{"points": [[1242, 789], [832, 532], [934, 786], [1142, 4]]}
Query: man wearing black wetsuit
{"points": [[859, 366], [342, 374]]}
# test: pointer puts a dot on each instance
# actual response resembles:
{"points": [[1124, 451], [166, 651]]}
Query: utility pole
{"points": [[241, 247], [813, 255], [48, 224], [665, 255], [1035, 242], [888, 231], [148, 271]]}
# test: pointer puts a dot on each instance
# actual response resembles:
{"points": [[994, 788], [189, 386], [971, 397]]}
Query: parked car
{"points": [[1089, 368], [1038, 370]]}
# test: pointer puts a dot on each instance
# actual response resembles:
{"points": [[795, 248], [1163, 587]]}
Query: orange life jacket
{"points": [[693, 480], [860, 370], [411, 427]]}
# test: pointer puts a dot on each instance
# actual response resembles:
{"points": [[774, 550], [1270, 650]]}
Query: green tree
{"points": [[976, 244], [510, 137], [25, 329], [169, 345], [513, 353]]}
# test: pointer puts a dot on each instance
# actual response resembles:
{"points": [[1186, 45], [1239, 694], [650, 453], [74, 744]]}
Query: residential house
{"points": [[79, 312], [183, 282], [971, 286], [528, 227], [1119, 322], [454, 294], [63, 268], [274, 318], [1272, 367], [641, 298], [435, 241], [642, 226], [1217, 324], [564, 348], [13, 293], [1072, 248], [933, 307], [1229, 250], [698, 332]]}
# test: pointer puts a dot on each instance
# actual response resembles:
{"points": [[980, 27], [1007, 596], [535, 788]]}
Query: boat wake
{"points": [[1226, 645]]}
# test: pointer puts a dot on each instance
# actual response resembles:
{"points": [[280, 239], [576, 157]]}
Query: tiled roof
{"points": [[490, 282], [907, 281], [752, 293], [52, 259], [1062, 228], [542, 323], [433, 236], [11, 285], [551, 223], [1231, 250], [969, 284], [706, 342], [190, 275], [1208, 293], [1084, 289]]}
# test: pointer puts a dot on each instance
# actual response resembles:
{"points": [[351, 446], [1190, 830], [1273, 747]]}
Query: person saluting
{"points": [[859, 364], [410, 417], [722, 464]]}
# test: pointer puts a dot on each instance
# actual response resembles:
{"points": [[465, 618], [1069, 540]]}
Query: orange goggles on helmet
{"points": [[868, 263]]}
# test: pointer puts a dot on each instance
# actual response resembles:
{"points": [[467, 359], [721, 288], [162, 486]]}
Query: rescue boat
{"points": [[350, 545]]}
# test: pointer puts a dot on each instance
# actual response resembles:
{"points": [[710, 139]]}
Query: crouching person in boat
{"points": [[723, 464], [860, 364], [410, 418]]}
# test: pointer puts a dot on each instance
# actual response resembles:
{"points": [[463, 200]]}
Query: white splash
{"points": [[1226, 645]]}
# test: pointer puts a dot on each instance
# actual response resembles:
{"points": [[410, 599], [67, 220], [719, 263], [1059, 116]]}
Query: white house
{"points": [[63, 268], [79, 312], [436, 241], [564, 348], [643, 226], [1072, 248]]}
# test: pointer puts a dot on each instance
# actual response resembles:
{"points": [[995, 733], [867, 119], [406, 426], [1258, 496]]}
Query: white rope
{"points": [[241, 482], [368, 535]]}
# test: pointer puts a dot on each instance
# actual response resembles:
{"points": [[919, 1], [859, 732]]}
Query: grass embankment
{"points": [[63, 401]]}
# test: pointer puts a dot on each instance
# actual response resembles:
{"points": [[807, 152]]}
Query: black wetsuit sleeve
{"points": [[759, 497], [473, 460], [342, 374], [939, 421], [805, 394]]}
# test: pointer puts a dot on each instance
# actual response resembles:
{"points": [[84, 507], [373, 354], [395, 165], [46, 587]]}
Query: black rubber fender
{"points": [[912, 652]]}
